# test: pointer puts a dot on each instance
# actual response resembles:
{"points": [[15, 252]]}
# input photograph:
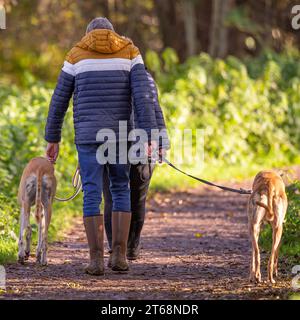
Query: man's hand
{"points": [[52, 152], [151, 149]]}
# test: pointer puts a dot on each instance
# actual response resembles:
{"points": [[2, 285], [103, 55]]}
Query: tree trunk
{"points": [[171, 25], [190, 25], [219, 32]]}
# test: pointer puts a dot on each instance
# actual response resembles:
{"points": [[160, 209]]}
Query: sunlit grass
{"points": [[8, 251], [295, 296]]}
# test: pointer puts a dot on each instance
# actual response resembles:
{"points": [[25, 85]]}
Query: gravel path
{"points": [[195, 246]]}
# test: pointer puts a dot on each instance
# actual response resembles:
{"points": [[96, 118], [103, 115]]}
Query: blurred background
{"points": [[39, 32], [230, 67]]}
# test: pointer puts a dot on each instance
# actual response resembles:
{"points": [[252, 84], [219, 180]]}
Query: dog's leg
{"points": [[277, 232], [40, 238], [255, 216], [24, 222], [45, 227], [28, 240], [259, 214], [251, 212], [280, 208], [280, 212], [255, 250], [252, 263], [276, 262]]}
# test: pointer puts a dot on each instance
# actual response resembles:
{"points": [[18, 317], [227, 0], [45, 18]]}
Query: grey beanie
{"points": [[99, 23]]}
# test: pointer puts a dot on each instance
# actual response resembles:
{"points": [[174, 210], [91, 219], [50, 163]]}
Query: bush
{"points": [[249, 110]]}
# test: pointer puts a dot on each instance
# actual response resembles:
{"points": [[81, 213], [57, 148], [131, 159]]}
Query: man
{"points": [[105, 72], [140, 176]]}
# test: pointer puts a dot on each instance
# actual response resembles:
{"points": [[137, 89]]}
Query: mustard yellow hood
{"points": [[103, 41]]}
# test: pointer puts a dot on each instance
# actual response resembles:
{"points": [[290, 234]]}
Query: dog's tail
{"points": [[38, 196], [269, 206]]}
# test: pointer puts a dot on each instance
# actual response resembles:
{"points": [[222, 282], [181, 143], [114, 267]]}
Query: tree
{"points": [[189, 18], [171, 25], [218, 46]]}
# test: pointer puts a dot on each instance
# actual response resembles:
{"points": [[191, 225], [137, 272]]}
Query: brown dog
{"points": [[268, 202], [37, 187]]}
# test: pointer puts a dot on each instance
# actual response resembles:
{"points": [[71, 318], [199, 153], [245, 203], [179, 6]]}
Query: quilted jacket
{"points": [[106, 75]]}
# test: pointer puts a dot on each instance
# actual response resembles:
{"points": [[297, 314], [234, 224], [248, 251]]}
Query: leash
{"points": [[77, 185], [240, 191]]}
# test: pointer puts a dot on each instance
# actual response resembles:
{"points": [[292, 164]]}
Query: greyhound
{"points": [[268, 202], [37, 187]]}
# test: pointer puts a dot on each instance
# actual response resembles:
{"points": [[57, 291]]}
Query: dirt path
{"points": [[195, 246]]}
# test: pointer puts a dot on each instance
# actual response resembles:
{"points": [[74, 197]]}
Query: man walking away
{"points": [[105, 72]]}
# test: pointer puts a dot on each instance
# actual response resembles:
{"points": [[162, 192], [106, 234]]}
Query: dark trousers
{"points": [[140, 176]]}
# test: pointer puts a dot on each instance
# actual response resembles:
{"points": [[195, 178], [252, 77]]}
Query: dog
{"points": [[37, 187], [268, 202]]}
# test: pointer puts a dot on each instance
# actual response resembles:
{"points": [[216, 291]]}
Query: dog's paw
{"points": [[255, 280], [21, 260], [257, 277], [272, 281], [41, 261], [27, 255]]}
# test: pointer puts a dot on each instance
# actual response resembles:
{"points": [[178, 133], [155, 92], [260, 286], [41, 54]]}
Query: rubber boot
{"points": [[120, 231], [133, 246], [94, 232]]}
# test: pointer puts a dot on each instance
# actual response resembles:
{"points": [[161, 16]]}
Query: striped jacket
{"points": [[104, 72]]}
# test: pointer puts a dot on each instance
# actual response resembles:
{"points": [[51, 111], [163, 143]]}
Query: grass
{"points": [[8, 251], [294, 296]]}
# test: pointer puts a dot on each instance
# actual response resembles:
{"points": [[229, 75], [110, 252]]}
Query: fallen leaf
{"points": [[198, 235]]}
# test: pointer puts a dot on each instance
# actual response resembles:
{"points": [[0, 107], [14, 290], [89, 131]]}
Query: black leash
{"points": [[240, 191], [76, 182]]}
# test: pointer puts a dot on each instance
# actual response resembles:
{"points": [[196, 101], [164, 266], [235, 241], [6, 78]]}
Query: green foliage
{"points": [[249, 111], [8, 228], [239, 18], [291, 233]]}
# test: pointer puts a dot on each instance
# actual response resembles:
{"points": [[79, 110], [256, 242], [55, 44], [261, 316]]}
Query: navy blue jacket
{"points": [[104, 72]]}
